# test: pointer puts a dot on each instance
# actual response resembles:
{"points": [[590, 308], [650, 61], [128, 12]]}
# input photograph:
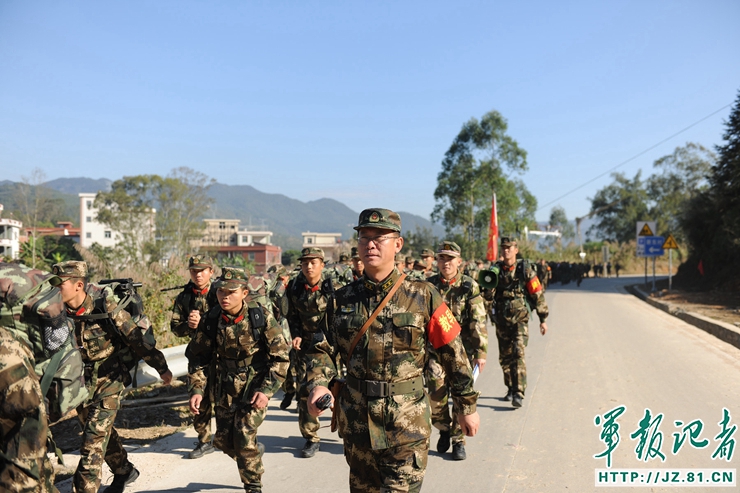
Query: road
{"points": [[605, 348]]}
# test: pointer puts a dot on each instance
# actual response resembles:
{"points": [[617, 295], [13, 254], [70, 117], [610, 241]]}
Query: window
{"points": [[107, 234], [88, 219], [222, 225], [89, 204], [251, 256], [88, 235], [309, 241]]}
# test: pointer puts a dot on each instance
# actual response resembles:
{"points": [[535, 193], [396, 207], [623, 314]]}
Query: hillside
{"points": [[284, 216]]}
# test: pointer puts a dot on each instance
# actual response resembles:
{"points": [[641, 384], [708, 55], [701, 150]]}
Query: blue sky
{"points": [[358, 101]]}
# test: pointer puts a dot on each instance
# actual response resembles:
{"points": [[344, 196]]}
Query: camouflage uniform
{"points": [[277, 291], [383, 410], [24, 425], [307, 306], [248, 359], [463, 296], [511, 316], [191, 298], [110, 347]]}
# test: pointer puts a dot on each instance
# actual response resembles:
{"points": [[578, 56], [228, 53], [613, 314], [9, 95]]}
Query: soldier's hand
{"points": [[195, 403], [297, 343], [194, 319], [259, 400], [543, 328], [480, 362], [315, 395], [166, 377], [469, 423]]}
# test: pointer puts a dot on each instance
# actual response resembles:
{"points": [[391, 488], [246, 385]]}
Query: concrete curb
{"points": [[723, 331]]}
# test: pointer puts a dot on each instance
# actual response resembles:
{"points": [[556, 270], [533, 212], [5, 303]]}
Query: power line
{"points": [[634, 157]]}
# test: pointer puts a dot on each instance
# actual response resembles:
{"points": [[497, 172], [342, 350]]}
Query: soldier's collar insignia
{"points": [[387, 284], [231, 321]]}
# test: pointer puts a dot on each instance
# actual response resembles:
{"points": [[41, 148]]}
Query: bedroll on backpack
{"points": [[32, 309]]}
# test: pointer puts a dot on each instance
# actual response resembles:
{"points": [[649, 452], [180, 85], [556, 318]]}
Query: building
{"points": [[224, 238], [331, 243], [92, 231], [10, 233], [63, 228]]}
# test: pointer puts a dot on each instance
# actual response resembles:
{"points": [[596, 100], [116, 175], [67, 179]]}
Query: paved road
{"points": [[605, 348]]}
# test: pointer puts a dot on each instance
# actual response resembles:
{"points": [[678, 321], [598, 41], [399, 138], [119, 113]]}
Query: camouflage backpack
{"points": [[31, 308]]}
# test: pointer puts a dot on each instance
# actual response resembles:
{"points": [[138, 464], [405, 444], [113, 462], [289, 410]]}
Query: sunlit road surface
{"points": [[604, 349]]}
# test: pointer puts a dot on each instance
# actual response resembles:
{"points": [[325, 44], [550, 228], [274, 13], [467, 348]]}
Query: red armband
{"points": [[442, 327], [534, 286]]}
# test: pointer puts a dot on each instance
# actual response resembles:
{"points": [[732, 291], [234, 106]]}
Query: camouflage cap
{"points": [[200, 262], [354, 253], [508, 241], [232, 278], [419, 265], [278, 269], [379, 218], [427, 253], [312, 252], [71, 269], [409, 260], [343, 257], [449, 248]]}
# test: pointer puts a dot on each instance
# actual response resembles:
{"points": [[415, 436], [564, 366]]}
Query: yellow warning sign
{"points": [[670, 243], [645, 231]]}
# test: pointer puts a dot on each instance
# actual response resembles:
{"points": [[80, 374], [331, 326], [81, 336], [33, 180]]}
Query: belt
{"points": [[378, 388], [234, 365]]}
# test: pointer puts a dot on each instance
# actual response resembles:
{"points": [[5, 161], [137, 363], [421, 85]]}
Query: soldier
{"points": [[342, 271], [107, 336], [190, 307], [33, 328], [462, 295], [409, 265], [308, 294], [419, 271], [544, 273], [357, 265], [278, 293], [382, 410], [250, 355], [518, 289], [427, 256]]}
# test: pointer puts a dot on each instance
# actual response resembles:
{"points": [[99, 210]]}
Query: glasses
{"points": [[364, 240]]}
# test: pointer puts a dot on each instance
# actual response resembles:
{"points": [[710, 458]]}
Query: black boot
{"points": [[201, 449], [310, 449], [509, 394], [516, 401], [287, 400], [458, 451], [120, 481], [443, 444]]}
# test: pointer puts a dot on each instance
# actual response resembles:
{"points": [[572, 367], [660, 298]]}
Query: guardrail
{"points": [[143, 374]]}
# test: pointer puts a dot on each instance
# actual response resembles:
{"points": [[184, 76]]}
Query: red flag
{"points": [[492, 252], [700, 267]]}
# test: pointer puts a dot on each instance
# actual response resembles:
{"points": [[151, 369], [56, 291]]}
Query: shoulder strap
{"points": [[51, 371], [374, 315]]}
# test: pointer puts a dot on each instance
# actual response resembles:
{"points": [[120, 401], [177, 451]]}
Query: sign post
{"points": [[670, 245], [648, 245]]}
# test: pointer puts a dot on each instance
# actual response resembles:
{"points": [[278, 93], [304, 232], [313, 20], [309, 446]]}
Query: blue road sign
{"points": [[650, 246]]}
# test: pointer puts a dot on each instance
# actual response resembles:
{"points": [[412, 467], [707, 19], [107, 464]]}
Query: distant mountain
{"points": [[287, 218], [79, 185]]}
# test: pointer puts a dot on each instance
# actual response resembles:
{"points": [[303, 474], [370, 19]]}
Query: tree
{"points": [[629, 204], [559, 222], [476, 165], [32, 200], [683, 175], [420, 239], [180, 201]]}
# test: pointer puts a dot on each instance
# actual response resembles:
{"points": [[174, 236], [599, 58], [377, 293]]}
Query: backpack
{"points": [[33, 311]]}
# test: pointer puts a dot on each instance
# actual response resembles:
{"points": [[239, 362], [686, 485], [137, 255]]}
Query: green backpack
{"points": [[31, 309]]}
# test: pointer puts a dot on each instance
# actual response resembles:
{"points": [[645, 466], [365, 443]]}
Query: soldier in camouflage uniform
{"points": [[250, 355], [383, 410], [111, 341], [357, 266], [190, 307], [24, 426], [278, 292], [308, 294], [518, 289], [427, 256], [462, 295]]}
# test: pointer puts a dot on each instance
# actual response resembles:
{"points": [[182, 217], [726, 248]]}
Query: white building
{"points": [[329, 242], [92, 231], [10, 229]]}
